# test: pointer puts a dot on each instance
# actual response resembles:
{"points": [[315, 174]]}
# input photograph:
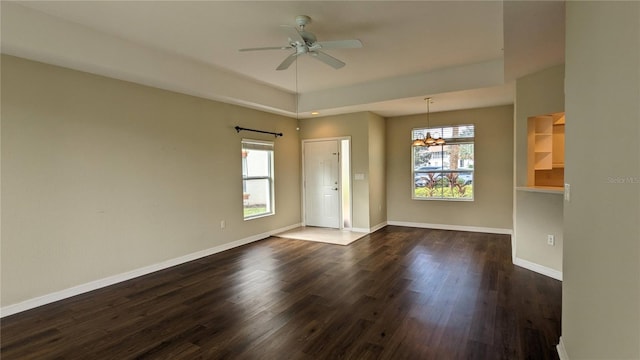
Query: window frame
{"points": [[261, 145], [441, 171]]}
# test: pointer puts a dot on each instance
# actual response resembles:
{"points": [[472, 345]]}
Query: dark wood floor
{"points": [[399, 293]]}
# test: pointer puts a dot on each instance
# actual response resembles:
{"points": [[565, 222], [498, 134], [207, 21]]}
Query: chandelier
{"points": [[428, 140]]}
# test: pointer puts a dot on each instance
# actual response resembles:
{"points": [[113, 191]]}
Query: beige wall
{"points": [[537, 214], [601, 288], [102, 176], [377, 171], [493, 182], [536, 94], [366, 132]]}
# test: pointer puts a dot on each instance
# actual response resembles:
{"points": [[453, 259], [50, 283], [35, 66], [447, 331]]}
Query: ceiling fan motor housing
{"points": [[301, 48], [303, 20]]}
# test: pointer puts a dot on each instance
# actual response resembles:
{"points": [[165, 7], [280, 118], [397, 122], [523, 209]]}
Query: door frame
{"points": [[339, 139]]}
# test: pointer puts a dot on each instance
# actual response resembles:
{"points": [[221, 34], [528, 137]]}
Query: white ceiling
{"points": [[450, 50]]}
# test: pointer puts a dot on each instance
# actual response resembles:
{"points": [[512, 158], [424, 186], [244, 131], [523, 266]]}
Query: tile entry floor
{"points": [[325, 235]]}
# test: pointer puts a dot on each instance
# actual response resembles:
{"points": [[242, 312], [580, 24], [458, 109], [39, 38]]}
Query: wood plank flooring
{"points": [[399, 293]]}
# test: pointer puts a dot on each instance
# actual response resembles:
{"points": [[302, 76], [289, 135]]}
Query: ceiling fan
{"points": [[305, 42]]}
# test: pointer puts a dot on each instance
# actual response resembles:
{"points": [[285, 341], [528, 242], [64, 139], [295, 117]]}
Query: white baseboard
{"points": [[538, 268], [453, 227], [562, 352], [378, 227], [110, 280], [369, 230]]}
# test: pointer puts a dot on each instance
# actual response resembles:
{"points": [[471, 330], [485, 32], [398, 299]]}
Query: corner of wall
{"points": [[536, 215]]}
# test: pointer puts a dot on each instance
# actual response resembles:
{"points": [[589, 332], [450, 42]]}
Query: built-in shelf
{"points": [[542, 189], [545, 161]]}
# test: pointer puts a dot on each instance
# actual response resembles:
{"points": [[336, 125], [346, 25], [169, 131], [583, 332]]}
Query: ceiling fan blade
{"points": [[340, 44], [327, 59], [267, 48], [287, 62], [293, 33]]}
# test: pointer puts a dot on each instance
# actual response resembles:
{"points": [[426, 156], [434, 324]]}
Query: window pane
{"points": [[422, 157], [256, 198], [257, 163], [450, 185], [458, 132], [457, 156], [444, 157], [449, 133]]}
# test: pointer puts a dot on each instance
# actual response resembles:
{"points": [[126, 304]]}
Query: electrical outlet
{"points": [[222, 224], [551, 240], [567, 192]]}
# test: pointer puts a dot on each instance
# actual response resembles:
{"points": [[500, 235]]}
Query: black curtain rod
{"points": [[238, 129]]}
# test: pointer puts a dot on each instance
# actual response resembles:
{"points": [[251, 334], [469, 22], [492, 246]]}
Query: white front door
{"points": [[321, 183]]}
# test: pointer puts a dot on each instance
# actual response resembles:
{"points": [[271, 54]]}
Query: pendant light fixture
{"points": [[418, 142], [428, 140]]}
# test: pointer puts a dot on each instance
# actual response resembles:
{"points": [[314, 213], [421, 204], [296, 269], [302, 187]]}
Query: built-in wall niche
{"points": [[545, 155]]}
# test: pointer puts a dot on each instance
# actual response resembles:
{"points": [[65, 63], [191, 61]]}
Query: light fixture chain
{"points": [[427, 140], [297, 97]]}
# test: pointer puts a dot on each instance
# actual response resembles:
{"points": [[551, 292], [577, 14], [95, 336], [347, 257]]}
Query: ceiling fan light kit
{"points": [[305, 42]]}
